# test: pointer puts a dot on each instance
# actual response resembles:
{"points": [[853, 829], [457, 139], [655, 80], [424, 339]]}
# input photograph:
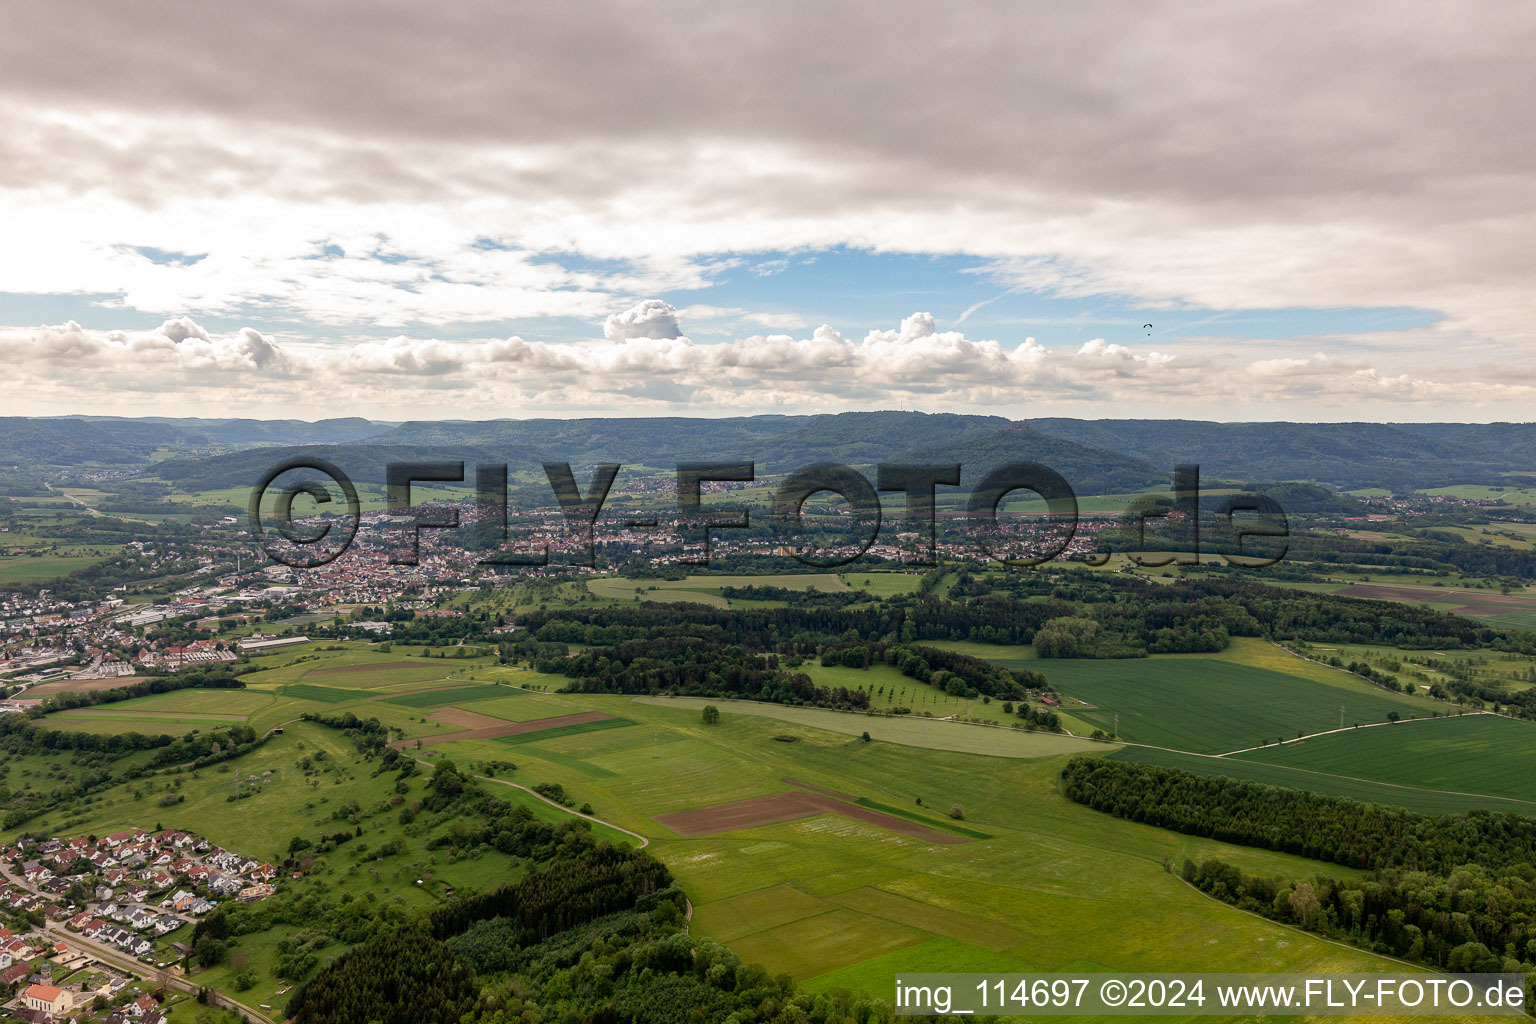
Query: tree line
{"points": [[1313, 825], [1455, 892]]}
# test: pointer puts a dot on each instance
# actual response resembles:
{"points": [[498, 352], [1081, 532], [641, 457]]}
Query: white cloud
{"points": [[912, 365], [652, 318], [477, 163]]}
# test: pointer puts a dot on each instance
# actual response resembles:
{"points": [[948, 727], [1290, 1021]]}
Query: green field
{"points": [[1210, 704], [41, 568], [214, 701], [323, 694], [888, 688], [1481, 754], [457, 695], [840, 902], [828, 899], [1425, 801], [908, 730], [707, 589], [566, 730], [359, 667]]}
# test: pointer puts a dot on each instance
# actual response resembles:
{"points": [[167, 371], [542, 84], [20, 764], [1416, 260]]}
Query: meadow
{"points": [[29, 568], [707, 589], [456, 695], [1394, 794], [839, 902], [1210, 704], [908, 730], [831, 900], [1517, 672], [1472, 754], [215, 701], [396, 689]]}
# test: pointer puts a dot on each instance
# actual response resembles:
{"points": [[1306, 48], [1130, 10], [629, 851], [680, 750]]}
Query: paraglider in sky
{"points": [[1148, 328]]}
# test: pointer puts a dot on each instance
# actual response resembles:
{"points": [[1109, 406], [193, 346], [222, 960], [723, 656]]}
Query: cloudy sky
{"points": [[473, 210]]}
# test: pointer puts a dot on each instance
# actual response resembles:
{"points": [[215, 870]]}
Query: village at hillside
{"points": [[86, 909]]}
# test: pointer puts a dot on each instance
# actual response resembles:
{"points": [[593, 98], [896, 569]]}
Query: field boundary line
{"points": [[1347, 778], [1356, 728]]}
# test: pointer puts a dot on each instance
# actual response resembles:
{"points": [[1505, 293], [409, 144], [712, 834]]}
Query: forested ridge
{"points": [[758, 653], [1132, 617]]}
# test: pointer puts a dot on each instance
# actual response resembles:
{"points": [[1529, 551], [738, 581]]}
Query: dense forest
{"points": [[1075, 615]]}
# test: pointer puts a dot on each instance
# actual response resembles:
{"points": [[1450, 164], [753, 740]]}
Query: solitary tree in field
{"points": [[711, 714]]}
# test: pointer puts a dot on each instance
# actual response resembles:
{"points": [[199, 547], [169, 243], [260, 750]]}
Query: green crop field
{"points": [[1007, 655], [107, 724], [457, 695], [707, 589], [1425, 801], [1211, 704], [566, 730], [41, 568], [323, 694], [840, 902], [214, 701], [1483, 754], [888, 688], [516, 706], [617, 588], [910, 730], [363, 669]]}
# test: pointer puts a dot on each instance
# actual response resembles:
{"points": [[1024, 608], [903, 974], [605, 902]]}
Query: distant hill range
{"points": [[1096, 456]]}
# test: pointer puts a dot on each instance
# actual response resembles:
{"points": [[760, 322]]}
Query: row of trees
{"points": [[1328, 828]]}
